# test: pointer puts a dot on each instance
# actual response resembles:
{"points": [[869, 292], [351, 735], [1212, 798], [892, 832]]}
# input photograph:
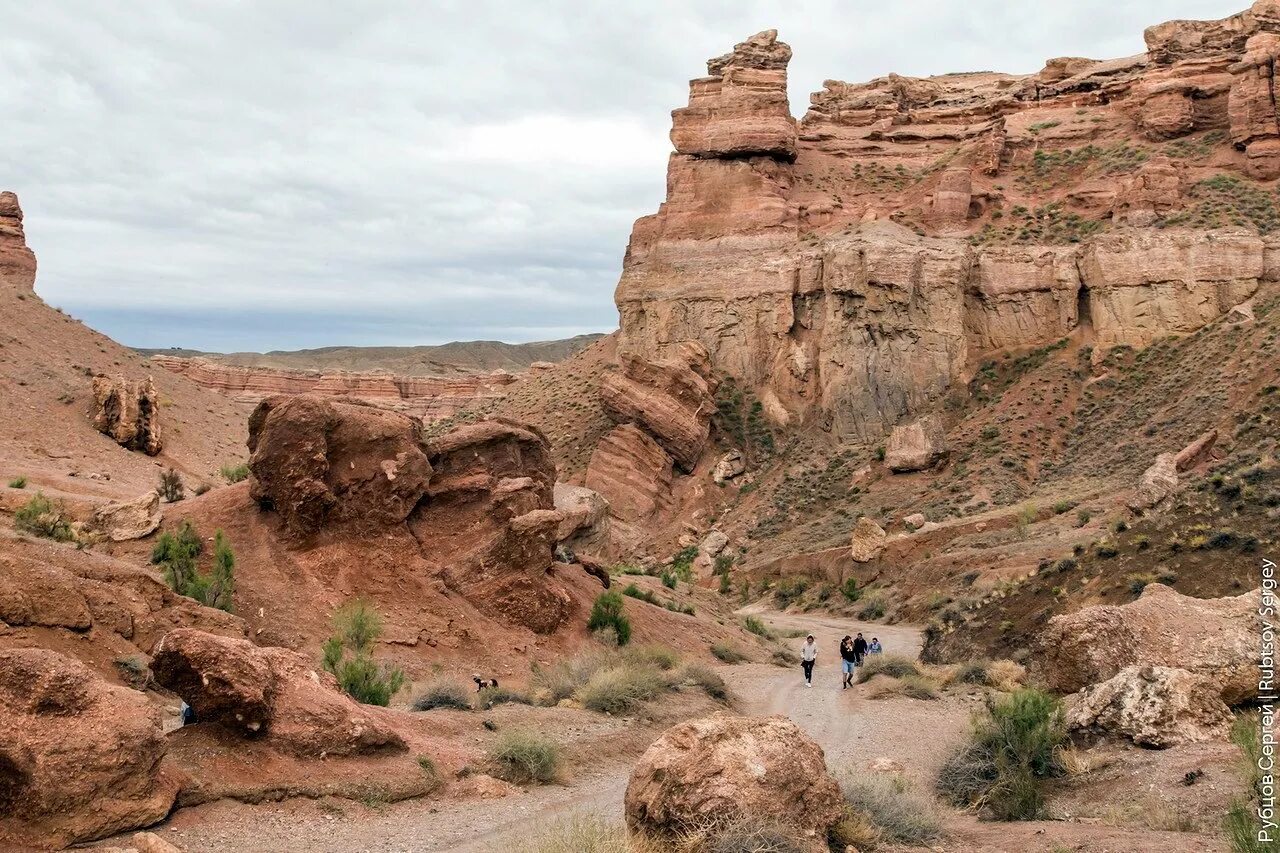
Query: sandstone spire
{"points": [[17, 262]]}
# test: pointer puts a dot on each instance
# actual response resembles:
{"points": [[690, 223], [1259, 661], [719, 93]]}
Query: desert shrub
{"points": [[788, 591], [348, 655], [901, 815], [170, 486], [872, 608], [749, 836], [201, 488], [709, 680], [1011, 749], [1062, 507], [727, 653], [607, 612], [619, 688], [1107, 550], [633, 591], [40, 516], [682, 562], [1082, 517], [580, 834], [1241, 822], [756, 625], [912, 686], [523, 757], [849, 589], [973, 672], [234, 473], [1138, 581], [561, 680], [675, 607], [491, 696], [444, 693], [669, 580], [18, 483], [783, 656], [176, 555], [895, 666]]}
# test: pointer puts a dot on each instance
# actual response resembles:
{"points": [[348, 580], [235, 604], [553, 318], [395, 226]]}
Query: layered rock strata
{"points": [[17, 262]]}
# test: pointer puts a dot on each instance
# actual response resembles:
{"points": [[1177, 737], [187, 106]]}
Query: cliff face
{"points": [[426, 397], [853, 265]]}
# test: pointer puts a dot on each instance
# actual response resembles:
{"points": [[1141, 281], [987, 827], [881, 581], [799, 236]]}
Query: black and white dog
{"points": [[482, 683]]}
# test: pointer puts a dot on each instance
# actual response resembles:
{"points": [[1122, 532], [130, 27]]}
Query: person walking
{"points": [[859, 649], [846, 661], [875, 648], [808, 657]]}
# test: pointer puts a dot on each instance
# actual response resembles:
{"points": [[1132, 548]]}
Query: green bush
{"points": [[523, 757], [40, 516], [669, 580], [1010, 751], [788, 591], [633, 591], [849, 589], [894, 666], [873, 608], [18, 483], [1241, 822], [177, 556], [443, 694], [234, 473], [348, 654], [756, 625], [727, 653], [607, 612], [170, 486]]}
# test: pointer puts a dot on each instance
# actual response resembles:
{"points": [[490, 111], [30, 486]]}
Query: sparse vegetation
{"points": [[234, 473], [18, 483], [1241, 823], [899, 815], [607, 614], [170, 486], [727, 653], [894, 666], [348, 655], [525, 757], [40, 516], [177, 556], [444, 693]]}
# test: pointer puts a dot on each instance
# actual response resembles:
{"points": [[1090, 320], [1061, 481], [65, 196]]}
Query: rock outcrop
{"points": [[633, 473], [129, 412], [729, 466], [1154, 706], [17, 262], [428, 398], [670, 398], [916, 446], [584, 516], [121, 521], [79, 758], [319, 461], [850, 270], [1213, 638], [867, 540], [1156, 483], [262, 692], [721, 768]]}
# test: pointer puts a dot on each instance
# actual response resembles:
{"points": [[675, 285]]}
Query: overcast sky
{"points": [[280, 174]]}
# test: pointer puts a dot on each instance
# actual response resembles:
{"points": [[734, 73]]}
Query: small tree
{"points": [[223, 584], [348, 654], [607, 612], [178, 555], [43, 517], [170, 487]]}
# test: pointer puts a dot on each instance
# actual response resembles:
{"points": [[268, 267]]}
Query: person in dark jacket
{"points": [[847, 661], [859, 649]]}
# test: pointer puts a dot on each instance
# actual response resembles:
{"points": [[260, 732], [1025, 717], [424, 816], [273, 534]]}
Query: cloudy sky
{"points": [[285, 173]]}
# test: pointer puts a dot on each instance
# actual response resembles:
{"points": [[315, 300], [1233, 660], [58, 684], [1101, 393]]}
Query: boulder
{"points": [[1195, 452], [121, 521], [1154, 706], [1216, 638], [916, 446], [671, 399], [319, 461], [1156, 483], [725, 767], [713, 543], [867, 541], [79, 758], [729, 466], [915, 521], [129, 412], [264, 692], [585, 513]]}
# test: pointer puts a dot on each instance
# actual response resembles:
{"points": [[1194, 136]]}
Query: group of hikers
{"points": [[853, 651]]}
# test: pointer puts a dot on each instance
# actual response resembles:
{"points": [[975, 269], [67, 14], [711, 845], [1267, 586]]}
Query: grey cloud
{"points": [[283, 174]]}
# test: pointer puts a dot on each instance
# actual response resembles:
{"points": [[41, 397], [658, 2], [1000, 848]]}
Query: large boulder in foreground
{"points": [[916, 446], [255, 691], [129, 412], [1216, 638], [1154, 706], [722, 768], [671, 399], [79, 758], [320, 461]]}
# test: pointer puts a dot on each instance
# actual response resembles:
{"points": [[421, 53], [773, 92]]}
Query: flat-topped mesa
{"points": [[17, 262], [740, 108]]}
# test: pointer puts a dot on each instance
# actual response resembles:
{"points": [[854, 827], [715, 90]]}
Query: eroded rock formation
{"points": [[129, 412], [1022, 210], [79, 758], [17, 262], [1154, 706]]}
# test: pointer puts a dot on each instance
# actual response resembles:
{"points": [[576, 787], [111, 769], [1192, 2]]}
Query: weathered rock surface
{"points": [[1156, 483], [1196, 452], [585, 515], [120, 521], [79, 758], [318, 461], [129, 412], [724, 767], [1215, 638], [916, 446], [671, 399], [255, 691], [1154, 706], [633, 473], [729, 466], [428, 398], [867, 540], [17, 262]]}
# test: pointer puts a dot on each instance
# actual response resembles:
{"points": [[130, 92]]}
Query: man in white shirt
{"points": [[808, 656]]}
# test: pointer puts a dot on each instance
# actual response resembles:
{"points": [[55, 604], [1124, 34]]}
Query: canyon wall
{"points": [[853, 266], [429, 398]]}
